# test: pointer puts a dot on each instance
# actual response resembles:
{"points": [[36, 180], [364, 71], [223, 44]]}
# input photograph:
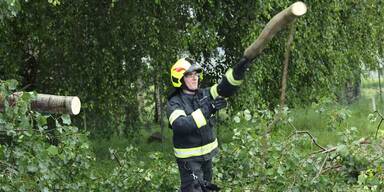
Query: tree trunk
{"points": [[380, 90], [284, 78], [159, 103], [140, 99], [285, 69], [49, 103], [29, 73]]}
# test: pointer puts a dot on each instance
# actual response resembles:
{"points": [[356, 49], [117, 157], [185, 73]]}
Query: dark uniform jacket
{"points": [[187, 134], [193, 134]]}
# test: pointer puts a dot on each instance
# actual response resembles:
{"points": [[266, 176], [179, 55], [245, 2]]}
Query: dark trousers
{"points": [[194, 174]]}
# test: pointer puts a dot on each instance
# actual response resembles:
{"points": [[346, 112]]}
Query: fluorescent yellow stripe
{"points": [[199, 118], [231, 79], [196, 151], [214, 92], [175, 114]]}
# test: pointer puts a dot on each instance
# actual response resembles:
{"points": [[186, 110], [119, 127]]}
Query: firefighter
{"points": [[190, 110]]}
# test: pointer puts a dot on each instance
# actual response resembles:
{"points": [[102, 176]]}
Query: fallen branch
{"points": [[290, 124], [306, 132], [333, 167], [312, 138], [321, 168], [117, 159]]}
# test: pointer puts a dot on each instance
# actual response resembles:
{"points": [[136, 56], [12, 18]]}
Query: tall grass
{"points": [[317, 122]]}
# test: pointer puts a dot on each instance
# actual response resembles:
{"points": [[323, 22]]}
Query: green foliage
{"points": [[326, 53], [8, 8], [133, 174], [108, 53], [36, 157], [256, 163]]}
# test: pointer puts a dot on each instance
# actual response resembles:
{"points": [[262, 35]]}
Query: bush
{"points": [[132, 174], [255, 162], [34, 157]]}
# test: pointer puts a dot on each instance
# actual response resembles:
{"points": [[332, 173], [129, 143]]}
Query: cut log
{"points": [[279, 21], [50, 103]]}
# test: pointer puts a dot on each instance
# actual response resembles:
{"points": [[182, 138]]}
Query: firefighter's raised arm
{"points": [[231, 81]]}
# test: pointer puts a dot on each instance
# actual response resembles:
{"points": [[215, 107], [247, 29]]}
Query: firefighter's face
{"points": [[192, 80]]}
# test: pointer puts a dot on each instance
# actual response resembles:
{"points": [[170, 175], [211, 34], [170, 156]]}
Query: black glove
{"points": [[219, 103], [210, 107]]}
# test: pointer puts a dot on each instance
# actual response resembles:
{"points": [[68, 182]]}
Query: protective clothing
{"points": [[191, 119], [219, 103], [212, 106], [196, 176], [181, 67]]}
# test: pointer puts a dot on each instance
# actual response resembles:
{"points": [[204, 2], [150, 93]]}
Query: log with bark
{"points": [[48, 103], [282, 19]]}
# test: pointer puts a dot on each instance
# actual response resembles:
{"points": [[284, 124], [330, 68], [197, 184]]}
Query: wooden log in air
{"points": [[50, 103], [279, 21]]}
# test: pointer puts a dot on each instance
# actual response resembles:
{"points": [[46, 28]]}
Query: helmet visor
{"points": [[194, 67]]}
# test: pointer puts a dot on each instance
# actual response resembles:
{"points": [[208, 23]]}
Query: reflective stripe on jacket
{"points": [[193, 134]]}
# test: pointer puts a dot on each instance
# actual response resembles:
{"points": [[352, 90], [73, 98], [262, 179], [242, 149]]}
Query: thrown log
{"points": [[279, 21], [49, 103]]}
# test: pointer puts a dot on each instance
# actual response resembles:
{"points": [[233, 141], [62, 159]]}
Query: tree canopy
{"points": [[110, 52]]}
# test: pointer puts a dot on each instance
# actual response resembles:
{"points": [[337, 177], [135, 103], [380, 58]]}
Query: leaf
{"points": [[280, 170], [66, 119], [32, 168], [247, 116], [26, 96], [41, 120], [84, 146], [342, 149], [52, 150], [2, 121], [236, 119], [12, 84]]}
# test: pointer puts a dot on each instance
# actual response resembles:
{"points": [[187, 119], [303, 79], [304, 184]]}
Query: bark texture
{"points": [[49, 103]]}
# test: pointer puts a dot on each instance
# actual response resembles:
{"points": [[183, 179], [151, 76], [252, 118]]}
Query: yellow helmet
{"points": [[182, 66]]}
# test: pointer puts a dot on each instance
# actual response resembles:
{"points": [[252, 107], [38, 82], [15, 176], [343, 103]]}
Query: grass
{"points": [[318, 123], [104, 163]]}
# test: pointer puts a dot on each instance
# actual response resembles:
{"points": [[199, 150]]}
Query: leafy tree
{"points": [[111, 52]]}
